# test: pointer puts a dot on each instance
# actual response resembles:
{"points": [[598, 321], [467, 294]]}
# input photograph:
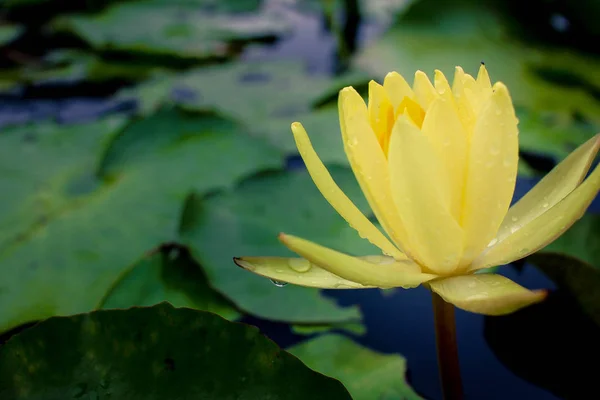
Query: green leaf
{"points": [[154, 353], [433, 35], [551, 344], [245, 222], [552, 134], [168, 275], [366, 374], [180, 29], [68, 236], [287, 94], [8, 33]]}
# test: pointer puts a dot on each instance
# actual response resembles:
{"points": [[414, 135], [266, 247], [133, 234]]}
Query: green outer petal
{"points": [[281, 269], [394, 273], [544, 229], [554, 187], [488, 294], [301, 272]]}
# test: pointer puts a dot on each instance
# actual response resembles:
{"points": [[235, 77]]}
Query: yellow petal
{"points": [[491, 172], [554, 187], [425, 93], [381, 113], [421, 193], [544, 229], [397, 89], [443, 87], [336, 197], [447, 136], [463, 104], [369, 164], [483, 78], [297, 271], [405, 273], [488, 294], [413, 110]]}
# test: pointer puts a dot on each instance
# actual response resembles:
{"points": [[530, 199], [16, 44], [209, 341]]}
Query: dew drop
{"points": [[340, 285], [278, 283], [545, 205], [493, 242], [299, 264], [514, 219], [513, 229], [352, 142]]}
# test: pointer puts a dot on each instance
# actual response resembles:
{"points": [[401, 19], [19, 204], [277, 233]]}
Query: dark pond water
{"points": [[397, 322]]}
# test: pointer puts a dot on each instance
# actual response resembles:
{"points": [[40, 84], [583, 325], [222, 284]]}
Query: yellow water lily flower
{"points": [[438, 166]]}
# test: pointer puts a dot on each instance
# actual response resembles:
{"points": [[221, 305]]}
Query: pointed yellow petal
{"points": [[447, 136], [369, 164], [443, 87], [336, 197], [483, 78], [413, 110], [554, 187], [425, 93], [544, 229], [488, 294], [405, 273], [397, 89], [297, 271], [491, 172], [381, 113], [463, 104], [421, 194]]}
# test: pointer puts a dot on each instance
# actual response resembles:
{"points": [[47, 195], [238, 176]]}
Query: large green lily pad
{"points": [[246, 221], [181, 29], [168, 275], [154, 353], [367, 375], [69, 235], [286, 91]]}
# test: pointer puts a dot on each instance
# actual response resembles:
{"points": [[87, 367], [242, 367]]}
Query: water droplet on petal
{"points": [[513, 229], [352, 142], [492, 242], [278, 283], [514, 219], [545, 205], [299, 264]]}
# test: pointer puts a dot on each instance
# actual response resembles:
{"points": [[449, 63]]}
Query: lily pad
{"points": [[287, 94], [168, 275], [548, 344], [69, 235], [8, 33], [432, 35], [367, 375], [573, 276], [180, 29], [246, 221], [154, 353]]}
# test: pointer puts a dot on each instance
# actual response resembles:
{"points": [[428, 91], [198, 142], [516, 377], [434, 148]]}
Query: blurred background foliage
{"points": [[144, 143]]}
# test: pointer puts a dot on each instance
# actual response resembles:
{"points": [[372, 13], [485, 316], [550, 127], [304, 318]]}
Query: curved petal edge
{"points": [[488, 294]]}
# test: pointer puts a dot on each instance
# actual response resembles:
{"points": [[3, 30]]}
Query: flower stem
{"points": [[447, 350]]}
